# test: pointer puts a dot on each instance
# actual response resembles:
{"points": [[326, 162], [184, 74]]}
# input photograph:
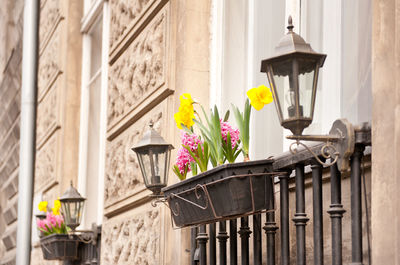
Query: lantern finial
{"points": [[290, 24]]}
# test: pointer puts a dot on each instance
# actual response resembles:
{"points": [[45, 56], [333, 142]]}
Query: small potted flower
{"points": [[223, 188], [55, 242]]}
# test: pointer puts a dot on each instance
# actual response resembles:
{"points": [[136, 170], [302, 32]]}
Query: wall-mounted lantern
{"points": [[72, 204], [154, 155], [293, 77]]}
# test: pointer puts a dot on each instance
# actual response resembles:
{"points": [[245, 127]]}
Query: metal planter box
{"points": [[224, 192], [59, 247]]}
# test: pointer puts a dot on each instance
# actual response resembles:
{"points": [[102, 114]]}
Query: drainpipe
{"points": [[27, 130]]}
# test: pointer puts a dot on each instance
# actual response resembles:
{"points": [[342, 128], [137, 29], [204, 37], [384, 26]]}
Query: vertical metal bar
{"points": [[317, 214], [356, 222], [222, 238], [336, 212], [257, 250], [212, 244], [270, 225], [244, 233], [300, 217], [202, 239], [193, 245], [233, 241], [284, 202]]}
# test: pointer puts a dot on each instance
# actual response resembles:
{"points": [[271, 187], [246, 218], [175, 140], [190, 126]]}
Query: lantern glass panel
{"points": [[145, 166], [154, 163], [66, 212], [293, 80], [72, 212]]}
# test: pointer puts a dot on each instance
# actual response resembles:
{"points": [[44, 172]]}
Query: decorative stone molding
{"points": [[50, 16], [48, 115], [133, 239], [124, 13], [128, 18], [49, 65], [46, 160], [123, 177], [139, 72]]}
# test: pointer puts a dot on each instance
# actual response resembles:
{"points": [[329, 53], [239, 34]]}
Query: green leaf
{"points": [[226, 117]]}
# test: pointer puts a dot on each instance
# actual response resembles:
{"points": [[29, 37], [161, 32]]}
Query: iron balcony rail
{"points": [[206, 235]]}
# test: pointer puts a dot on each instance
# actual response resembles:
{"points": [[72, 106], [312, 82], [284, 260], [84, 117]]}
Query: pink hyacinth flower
{"points": [[233, 132]]}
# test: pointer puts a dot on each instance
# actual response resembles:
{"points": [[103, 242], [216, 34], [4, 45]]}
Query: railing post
{"points": [[212, 244], [193, 245], [336, 212], [270, 225], [222, 238], [284, 218], [244, 233], [233, 241], [300, 217], [356, 210], [202, 239], [257, 255], [317, 213]]}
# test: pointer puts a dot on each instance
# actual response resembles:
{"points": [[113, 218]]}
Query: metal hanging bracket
{"points": [[339, 144]]}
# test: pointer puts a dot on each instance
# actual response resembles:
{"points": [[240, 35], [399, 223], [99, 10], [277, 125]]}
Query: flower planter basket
{"points": [[224, 192], [59, 247]]}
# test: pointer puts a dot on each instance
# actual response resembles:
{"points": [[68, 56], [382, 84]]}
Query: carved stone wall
{"points": [[47, 115], [132, 239], [49, 64], [124, 13], [123, 177], [46, 159], [50, 15], [139, 71]]}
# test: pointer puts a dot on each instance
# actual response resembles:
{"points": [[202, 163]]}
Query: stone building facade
{"points": [[151, 52], [11, 23]]}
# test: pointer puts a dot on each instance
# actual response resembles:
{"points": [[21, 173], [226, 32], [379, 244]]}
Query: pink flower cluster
{"points": [[52, 221], [183, 159], [190, 140], [234, 133]]}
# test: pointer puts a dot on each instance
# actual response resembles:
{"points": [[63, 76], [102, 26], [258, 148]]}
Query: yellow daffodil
{"points": [[56, 208], [185, 115], [259, 96], [42, 206]]}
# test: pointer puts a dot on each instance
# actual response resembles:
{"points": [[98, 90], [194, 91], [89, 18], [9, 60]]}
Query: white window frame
{"points": [[92, 12]]}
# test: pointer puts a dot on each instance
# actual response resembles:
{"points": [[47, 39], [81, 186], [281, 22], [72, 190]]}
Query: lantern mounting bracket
{"points": [[338, 144], [86, 236]]}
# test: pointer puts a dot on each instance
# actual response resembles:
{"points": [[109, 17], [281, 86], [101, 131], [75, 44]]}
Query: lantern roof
{"points": [[71, 194], [291, 44], [151, 138]]}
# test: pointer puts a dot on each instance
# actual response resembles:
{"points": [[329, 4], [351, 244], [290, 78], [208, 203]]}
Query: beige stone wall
{"points": [[11, 23], [59, 75], [159, 49], [386, 132]]}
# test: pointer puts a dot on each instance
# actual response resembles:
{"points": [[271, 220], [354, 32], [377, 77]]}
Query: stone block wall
{"points": [[11, 23]]}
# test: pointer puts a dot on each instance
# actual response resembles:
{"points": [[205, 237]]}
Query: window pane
{"points": [[96, 46], [93, 143]]}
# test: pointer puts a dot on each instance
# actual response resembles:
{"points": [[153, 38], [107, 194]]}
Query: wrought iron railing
{"points": [[209, 239]]}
